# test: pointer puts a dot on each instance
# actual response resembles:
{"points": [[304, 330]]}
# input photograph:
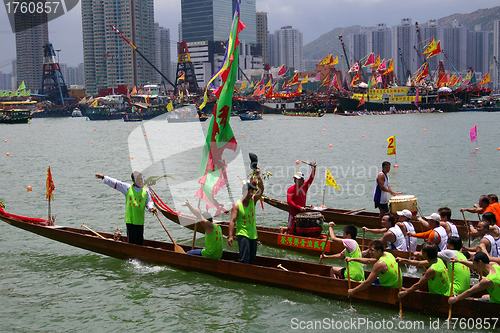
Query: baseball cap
{"points": [[299, 175], [406, 213], [435, 217]]}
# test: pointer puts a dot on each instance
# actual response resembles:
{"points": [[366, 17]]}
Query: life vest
{"points": [[135, 206]]}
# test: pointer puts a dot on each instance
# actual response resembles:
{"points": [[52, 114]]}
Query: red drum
{"points": [[309, 224]]}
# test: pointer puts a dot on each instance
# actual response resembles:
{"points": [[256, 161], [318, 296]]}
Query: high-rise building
{"points": [[496, 53], [108, 60], [478, 50], [163, 53], [454, 44], [357, 46], [29, 49], [262, 34], [286, 47], [403, 40], [5, 81], [379, 41]]}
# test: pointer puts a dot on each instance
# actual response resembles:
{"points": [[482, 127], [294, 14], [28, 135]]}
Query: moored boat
{"points": [[16, 112], [303, 276], [186, 114], [251, 115]]}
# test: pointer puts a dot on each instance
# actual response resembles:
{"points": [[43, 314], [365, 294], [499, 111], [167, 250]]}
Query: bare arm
{"points": [[482, 285], [232, 223], [381, 181], [429, 274], [379, 266], [209, 227], [260, 184]]}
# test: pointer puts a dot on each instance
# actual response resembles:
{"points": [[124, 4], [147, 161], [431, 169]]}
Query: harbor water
{"points": [[52, 287]]}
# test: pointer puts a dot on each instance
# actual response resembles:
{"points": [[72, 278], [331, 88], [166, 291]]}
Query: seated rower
{"points": [[407, 227], [385, 270], [437, 234], [351, 250], [461, 278], [488, 242], [393, 235], [445, 216], [490, 281], [436, 276], [213, 235], [493, 229]]}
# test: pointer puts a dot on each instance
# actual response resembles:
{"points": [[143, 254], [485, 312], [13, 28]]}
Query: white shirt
{"points": [[124, 187]]}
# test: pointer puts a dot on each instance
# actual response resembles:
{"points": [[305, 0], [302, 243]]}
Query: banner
{"points": [[391, 148], [473, 134]]}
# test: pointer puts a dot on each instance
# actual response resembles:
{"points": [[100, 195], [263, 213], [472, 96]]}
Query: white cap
{"points": [[298, 175], [406, 213], [434, 216]]}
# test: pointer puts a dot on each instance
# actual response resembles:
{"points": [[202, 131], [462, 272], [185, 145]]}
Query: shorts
{"points": [[247, 248], [342, 272], [382, 206]]}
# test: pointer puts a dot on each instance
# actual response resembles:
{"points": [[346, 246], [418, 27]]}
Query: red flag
{"points": [[362, 101], [50, 185]]}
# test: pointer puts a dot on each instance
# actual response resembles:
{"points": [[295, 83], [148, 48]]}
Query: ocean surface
{"points": [[48, 286]]}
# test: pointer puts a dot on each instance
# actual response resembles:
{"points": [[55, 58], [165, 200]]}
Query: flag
{"points": [[423, 72], [335, 61], [294, 80], [282, 70], [473, 134], [362, 101], [268, 84], [431, 47], [370, 60], [327, 61], [147, 95], [355, 79], [261, 81], [317, 77], [299, 88], [330, 181], [243, 86], [182, 77], [94, 103], [436, 51], [170, 106], [334, 82], [467, 78], [416, 98], [304, 80], [382, 66], [354, 68], [391, 148], [473, 78], [219, 134], [325, 82], [134, 91], [486, 79], [50, 185], [22, 86], [376, 63], [390, 68]]}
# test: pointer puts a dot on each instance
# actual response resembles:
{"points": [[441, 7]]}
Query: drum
{"points": [[309, 224], [401, 202]]}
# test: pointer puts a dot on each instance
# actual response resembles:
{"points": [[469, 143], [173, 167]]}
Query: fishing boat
{"points": [[109, 107], [294, 108], [76, 113], [360, 218], [251, 115], [186, 114], [303, 276], [16, 112]]}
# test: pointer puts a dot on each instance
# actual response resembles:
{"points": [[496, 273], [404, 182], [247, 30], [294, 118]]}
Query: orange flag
{"points": [[486, 79], [50, 185], [362, 101]]}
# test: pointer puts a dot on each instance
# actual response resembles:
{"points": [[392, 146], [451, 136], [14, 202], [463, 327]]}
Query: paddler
{"points": [[296, 197], [436, 276], [488, 243], [393, 235], [437, 234], [213, 234], [382, 190], [444, 221], [407, 227], [490, 281], [243, 217], [461, 278], [138, 199], [351, 251], [385, 268]]}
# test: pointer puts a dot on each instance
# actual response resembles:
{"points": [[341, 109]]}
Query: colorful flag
{"points": [[170, 106], [355, 79], [317, 77], [390, 68], [382, 66], [436, 51], [370, 60], [362, 101], [354, 68], [416, 98], [304, 80], [376, 63], [325, 82], [473, 134], [335, 61], [391, 148], [486, 79], [330, 181], [431, 47], [261, 82], [282, 70], [243, 85], [327, 61], [268, 84], [134, 91], [294, 80], [50, 185], [219, 134], [94, 103]]}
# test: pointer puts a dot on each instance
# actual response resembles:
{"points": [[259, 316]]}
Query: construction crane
{"points": [[419, 41], [498, 72], [143, 57]]}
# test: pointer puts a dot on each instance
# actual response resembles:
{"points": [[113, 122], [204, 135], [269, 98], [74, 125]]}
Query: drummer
{"points": [[382, 190], [296, 197]]}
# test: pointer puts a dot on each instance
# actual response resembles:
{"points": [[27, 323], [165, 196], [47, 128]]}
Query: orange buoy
{"points": [[362, 136], [297, 161], [29, 188], [4, 140], [94, 129], [477, 148], [283, 125], [331, 145], [324, 130], [242, 135], [195, 143], [425, 130], [410, 121], [7, 154], [144, 134], [91, 142], [498, 148], [396, 166], [131, 157]]}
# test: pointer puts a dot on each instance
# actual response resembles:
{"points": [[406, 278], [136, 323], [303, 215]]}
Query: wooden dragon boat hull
{"points": [[302, 276], [360, 219]]}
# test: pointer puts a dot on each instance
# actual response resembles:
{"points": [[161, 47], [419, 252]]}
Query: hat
{"points": [[299, 175], [435, 217], [207, 216], [406, 213]]}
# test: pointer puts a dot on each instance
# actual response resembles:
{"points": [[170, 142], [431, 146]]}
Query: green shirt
{"points": [[213, 243], [389, 278], [495, 292], [461, 275], [245, 220], [356, 271], [440, 283], [135, 206]]}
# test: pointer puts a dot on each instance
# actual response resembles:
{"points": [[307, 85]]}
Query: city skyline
{"points": [[313, 20]]}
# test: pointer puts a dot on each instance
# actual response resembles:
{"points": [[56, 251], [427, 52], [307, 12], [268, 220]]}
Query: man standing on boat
{"points": [[296, 196], [243, 216], [138, 199], [382, 190]]}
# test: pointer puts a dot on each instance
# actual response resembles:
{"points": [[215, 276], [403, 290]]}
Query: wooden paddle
{"points": [[409, 247], [177, 248], [354, 211], [349, 283], [400, 287], [82, 225], [194, 235], [363, 242], [451, 288], [467, 226], [324, 250]]}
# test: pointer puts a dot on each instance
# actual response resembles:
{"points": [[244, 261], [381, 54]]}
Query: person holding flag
{"points": [[382, 188]]}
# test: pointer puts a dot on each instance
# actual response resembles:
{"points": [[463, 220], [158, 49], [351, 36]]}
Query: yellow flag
{"points": [[170, 106], [94, 103], [335, 61], [431, 47], [304, 80], [268, 84], [391, 148], [243, 85], [330, 181]]}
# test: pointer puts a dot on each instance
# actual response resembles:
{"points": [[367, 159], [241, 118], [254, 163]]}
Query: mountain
{"points": [[330, 43]]}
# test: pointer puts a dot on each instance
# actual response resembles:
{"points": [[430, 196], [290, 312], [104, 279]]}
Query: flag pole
{"points": [[324, 189]]}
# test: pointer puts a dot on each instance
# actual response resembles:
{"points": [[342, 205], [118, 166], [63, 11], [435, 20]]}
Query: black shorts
{"points": [[342, 272], [382, 206]]}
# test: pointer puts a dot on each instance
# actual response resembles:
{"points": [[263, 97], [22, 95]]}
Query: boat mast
{"points": [[498, 71], [446, 56], [419, 41], [346, 58], [402, 64]]}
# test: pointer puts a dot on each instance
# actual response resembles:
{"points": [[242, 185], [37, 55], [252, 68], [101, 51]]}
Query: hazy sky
{"points": [[312, 17]]}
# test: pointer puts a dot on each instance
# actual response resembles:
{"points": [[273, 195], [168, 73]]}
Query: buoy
{"points": [[498, 148], [132, 125], [144, 134], [195, 143], [477, 124], [331, 145], [283, 125], [410, 121], [61, 133], [94, 129], [131, 157], [29, 188], [297, 161], [91, 142], [324, 130], [242, 135], [396, 166], [477, 148], [373, 124], [362, 136], [425, 130], [4, 140], [7, 154]]}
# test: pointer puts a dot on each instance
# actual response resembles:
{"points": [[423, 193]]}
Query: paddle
{"points": [[400, 287], [324, 250], [451, 287], [82, 225], [468, 228], [283, 268], [354, 211], [194, 235], [409, 247], [363, 242], [177, 248], [349, 283]]}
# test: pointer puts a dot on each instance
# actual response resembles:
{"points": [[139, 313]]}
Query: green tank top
{"points": [[245, 220], [495, 292], [135, 206], [440, 284], [389, 278], [355, 268], [461, 275], [213, 244]]}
